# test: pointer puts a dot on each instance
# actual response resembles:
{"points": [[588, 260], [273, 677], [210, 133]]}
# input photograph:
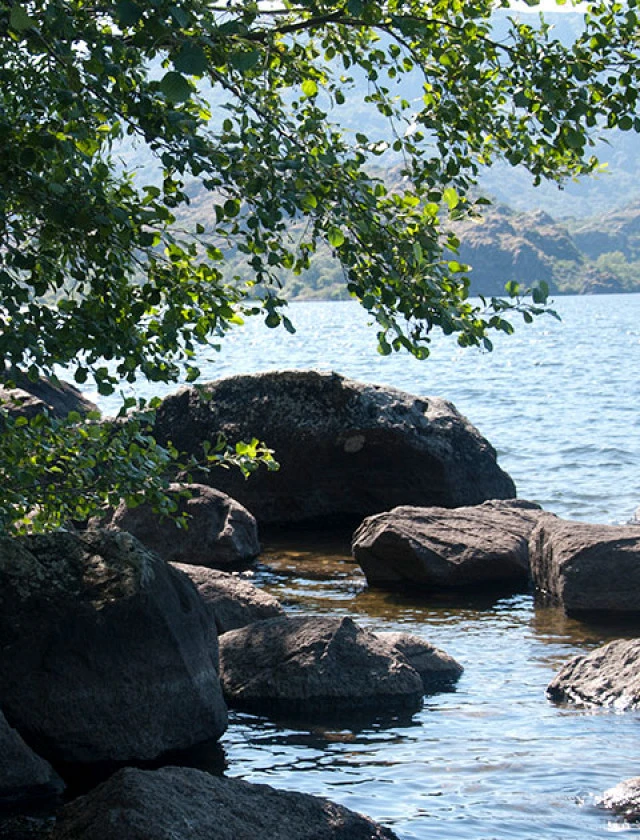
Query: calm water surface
{"points": [[494, 759]]}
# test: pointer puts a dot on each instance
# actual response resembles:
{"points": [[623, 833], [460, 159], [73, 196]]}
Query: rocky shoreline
{"points": [[129, 639]]}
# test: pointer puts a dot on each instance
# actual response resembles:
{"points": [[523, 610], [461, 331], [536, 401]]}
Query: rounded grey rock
{"points": [[345, 448], [108, 653]]}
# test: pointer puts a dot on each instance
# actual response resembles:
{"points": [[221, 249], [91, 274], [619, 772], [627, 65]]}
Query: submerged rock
{"points": [[345, 448], [221, 533], [437, 669], [436, 547], [108, 653], [185, 804], [587, 567], [608, 676], [26, 779], [232, 602], [314, 666]]}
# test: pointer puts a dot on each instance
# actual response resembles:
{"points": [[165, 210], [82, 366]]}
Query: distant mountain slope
{"points": [[504, 245], [528, 248], [615, 231]]}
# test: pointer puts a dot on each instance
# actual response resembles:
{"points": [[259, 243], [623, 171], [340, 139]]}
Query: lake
{"points": [[493, 759]]}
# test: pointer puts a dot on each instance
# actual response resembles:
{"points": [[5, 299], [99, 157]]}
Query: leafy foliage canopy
{"points": [[245, 99]]}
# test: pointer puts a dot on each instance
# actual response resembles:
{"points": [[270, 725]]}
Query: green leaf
{"points": [[180, 16], [19, 20], [336, 237], [451, 197], [175, 87], [128, 13], [232, 207], [540, 293], [191, 60], [309, 87], [245, 61], [456, 267], [309, 201]]}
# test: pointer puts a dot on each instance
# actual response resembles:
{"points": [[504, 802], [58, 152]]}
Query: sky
{"points": [[547, 6]]}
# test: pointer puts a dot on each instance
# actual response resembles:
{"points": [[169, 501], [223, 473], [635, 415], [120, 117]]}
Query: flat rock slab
{"points": [[623, 799], [588, 568], [221, 533], [26, 779], [185, 804], [608, 676], [308, 666], [108, 653], [345, 448], [437, 547], [232, 602]]}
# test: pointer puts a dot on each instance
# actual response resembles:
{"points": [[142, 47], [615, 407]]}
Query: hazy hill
{"points": [[529, 247]]}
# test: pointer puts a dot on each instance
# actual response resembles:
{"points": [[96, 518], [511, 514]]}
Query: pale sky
{"points": [[547, 6]]}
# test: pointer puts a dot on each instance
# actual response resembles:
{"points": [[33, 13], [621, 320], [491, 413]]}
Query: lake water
{"points": [[494, 759]]}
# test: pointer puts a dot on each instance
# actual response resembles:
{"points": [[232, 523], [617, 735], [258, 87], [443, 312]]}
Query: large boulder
{"points": [[185, 804], [345, 448], [221, 533], [314, 666], [27, 398], [623, 799], [608, 676], [25, 778], [232, 602], [587, 567], [108, 653], [437, 547]]}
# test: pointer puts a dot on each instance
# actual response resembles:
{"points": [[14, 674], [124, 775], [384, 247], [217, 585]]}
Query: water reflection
{"points": [[492, 760]]}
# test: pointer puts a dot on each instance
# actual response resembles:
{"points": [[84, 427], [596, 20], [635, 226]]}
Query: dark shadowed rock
{"points": [[30, 398], [221, 533], [587, 567], [437, 669], [25, 778], [437, 547], [312, 665], [185, 804], [608, 676], [623, 799], [345, 448], [107, 652], [232, 602]]}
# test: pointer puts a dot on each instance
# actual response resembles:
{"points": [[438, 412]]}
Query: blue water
{"points": [[559, 400], [494, 759]]}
